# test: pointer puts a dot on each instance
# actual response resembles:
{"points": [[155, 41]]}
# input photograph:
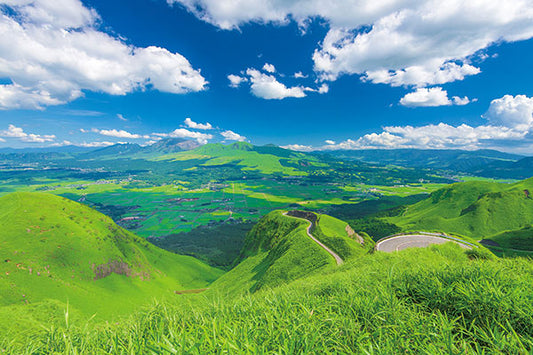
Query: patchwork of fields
{"points": [[174, 208]]}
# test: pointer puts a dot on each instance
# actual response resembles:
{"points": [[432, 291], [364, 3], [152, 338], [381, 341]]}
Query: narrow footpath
{"points": [[338, 259]]}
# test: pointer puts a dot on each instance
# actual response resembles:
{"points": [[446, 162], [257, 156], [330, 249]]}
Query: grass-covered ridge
{"points": [[56, 249], [474, 209], [266, 160], [276, 251]]}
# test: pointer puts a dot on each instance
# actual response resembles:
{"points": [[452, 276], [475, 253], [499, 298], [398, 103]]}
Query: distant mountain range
{"points": [[487, 163], [164, 146]]}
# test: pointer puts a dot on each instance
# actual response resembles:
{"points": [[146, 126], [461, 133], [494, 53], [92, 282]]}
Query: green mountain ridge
{"points": [[474, 209], [278, 250]]}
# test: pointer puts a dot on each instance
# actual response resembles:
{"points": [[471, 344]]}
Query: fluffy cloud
{"points": [[438, 136], [511, 111], [232, 136], [269, 68], [298, 147], [17, 132], [268, 87], [509, 128], [95, 144], [398, 42], [323, 89], [52, 51], [431, 97], [119, 133], [421, 75], [202, 138], [299, 75], [235, 81], [15, 96], [191, 124]]}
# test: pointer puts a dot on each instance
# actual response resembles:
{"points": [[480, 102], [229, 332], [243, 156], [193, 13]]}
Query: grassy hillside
{"points": [[473, 209], [339, 236], [276, 251], [56, 249], [520, 239], [438, 300], [430, 301], [266, 160]]}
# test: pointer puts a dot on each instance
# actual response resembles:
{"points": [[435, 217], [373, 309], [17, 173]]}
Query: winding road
{"points": [[338, 259], [402, 242]]}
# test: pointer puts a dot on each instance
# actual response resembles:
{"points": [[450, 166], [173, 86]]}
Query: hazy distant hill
{"points": [[164, 146], [520, 169], [490, 163]]}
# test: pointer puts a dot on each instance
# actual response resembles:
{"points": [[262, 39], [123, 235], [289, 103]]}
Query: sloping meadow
{"points": [[435, 300]]}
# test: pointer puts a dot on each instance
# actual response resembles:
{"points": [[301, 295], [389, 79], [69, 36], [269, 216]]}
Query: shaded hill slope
{"points": [[519, 239]]}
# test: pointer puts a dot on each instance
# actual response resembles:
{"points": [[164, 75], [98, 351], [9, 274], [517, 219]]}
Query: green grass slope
{"points": [[340, 237], [265, 160], [520, 239], [52, 248], [418, 301], [473, 209], [276, 251]]}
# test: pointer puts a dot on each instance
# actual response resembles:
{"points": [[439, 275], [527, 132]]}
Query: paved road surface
{"points": [[413, 241], [331, 252]]}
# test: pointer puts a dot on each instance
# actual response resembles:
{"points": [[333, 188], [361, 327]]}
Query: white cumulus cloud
{"points": [[398, 42], [511, 111], [298, 147], [269, 88], [232, 136], [191, 124], [235, 80], [439, 136], [431, 97], [52, 51], [269, 68], [202, 138], [17, 132], [119, 133]]}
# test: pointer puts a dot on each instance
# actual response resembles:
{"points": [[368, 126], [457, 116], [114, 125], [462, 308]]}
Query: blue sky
{"points": [[407, 74]]}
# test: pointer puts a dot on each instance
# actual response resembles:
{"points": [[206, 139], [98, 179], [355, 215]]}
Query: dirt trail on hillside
{"points": [[338, 259]]}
